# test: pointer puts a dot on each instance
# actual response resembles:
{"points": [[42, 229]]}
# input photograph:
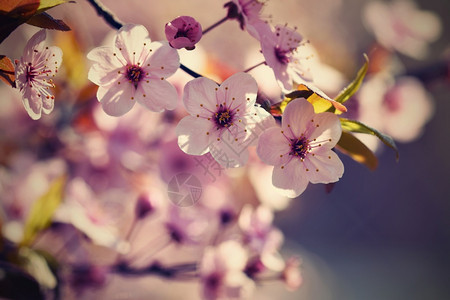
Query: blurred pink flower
{"points": [[291, 274], [33, 75], [134, 69], [185, 226], [247, 13], [221, 272], [280, 47], [401, 26], [183, 32], [223, 118], [301, 150], [398, 108], [259, 233]]}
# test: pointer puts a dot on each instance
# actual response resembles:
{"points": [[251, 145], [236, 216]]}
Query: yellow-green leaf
{"points": [[42, 211], [356, 126], [47, 4], [353, 87], [353, 147], [316, 97]]}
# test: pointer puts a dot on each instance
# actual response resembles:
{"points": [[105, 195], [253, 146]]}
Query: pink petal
{"points": [[32, 103], [192, 135], [290, 180], [130, 40], [47, 104], [106, 66], [228, 152], [271, 145], [116, 98], [297, 117], [238, 90], [328, 164], [199, 97], [157, 95], [36, 42], [257, 121], [329, 129], [164, 60]]}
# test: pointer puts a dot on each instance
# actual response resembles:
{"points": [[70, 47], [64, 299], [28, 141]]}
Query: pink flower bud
{"points": [[183, 32]]}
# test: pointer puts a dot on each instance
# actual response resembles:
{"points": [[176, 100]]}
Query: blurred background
{"points": [[382, 234]]}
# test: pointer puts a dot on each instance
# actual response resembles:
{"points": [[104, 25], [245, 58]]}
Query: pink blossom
{"points": [[134, 69], [221, 272], [34, 73], [280, 47], [247, 13], [291, 274], [183, 32], [301, 150], [223, 119], [185, 226], [401, 26]]}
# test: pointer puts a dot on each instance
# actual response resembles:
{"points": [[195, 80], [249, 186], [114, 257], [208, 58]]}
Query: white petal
{"points": [[199, 97], [273, 148], [47, 104], [228, 152], [241, 87], [329, 129], [106, 66], [290, 180], [36, 42], [164, 60], [32, 103], [159, 95], [130, 40], [192, 135], [325, 167], [116, 98], [297, 117]]}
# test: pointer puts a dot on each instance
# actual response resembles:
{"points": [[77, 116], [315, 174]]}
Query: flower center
{"points": [[212, 281], [300, 147], [30, 73], [134, 74], [223, 117], [282, 55]]}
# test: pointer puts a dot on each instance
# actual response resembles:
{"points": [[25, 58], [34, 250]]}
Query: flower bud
{"points": [[183, 32]]}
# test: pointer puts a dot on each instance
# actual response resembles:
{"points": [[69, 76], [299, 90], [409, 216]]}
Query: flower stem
{"points": [[114, 22], [257, 65], [215, 25]]}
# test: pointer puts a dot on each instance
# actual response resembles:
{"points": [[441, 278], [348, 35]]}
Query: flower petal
{"points": [[199, 97], [326, 127], [192, 135], [228, 152], [36, 42], [130, 40], [157, 95], [116, 98], [238, 90], [47, 104], [164, 60], [273, 148], [325, 167], [32, 103], [297, 117], [290, 180], [106, 66]]}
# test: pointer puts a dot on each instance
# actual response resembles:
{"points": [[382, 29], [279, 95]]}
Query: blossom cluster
{"points": [[185, 185]]}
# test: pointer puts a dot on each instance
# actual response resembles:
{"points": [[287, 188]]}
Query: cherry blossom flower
{"points": [[301, 150], [183, 32], [221, 272], [34, 73], [247, 13], [134, 69], [280, 47], [185, 226], [401, 26], [223, 119]]}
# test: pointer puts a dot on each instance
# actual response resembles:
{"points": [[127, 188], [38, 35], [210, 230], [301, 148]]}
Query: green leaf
{"points": [[7, 71], [355, 126], [42, 211], [47, 4], [353, 87], [353, 147], [44, 20]]}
